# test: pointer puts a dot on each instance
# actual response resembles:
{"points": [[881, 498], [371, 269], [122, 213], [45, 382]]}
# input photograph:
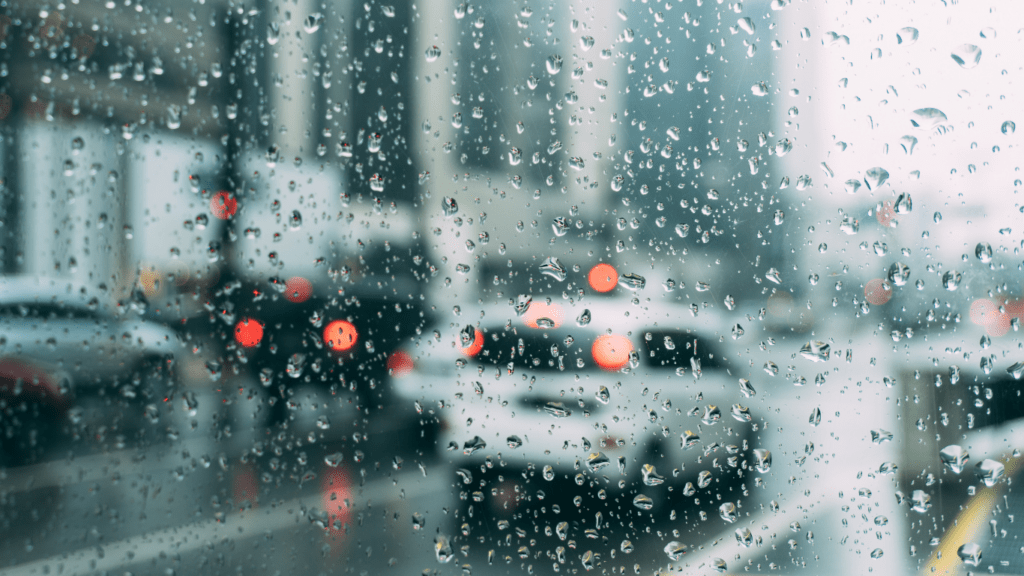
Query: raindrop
{"points": [[966, 55], [970, 553], [983, 251], [927, 118], [553, 268], [449, 206], [954, 457], [762, 460], [632, 281], [899, 274], [675, 550], [313, 22], [815, 351], [1008, 127], [433, 53], [728, 512], [554, 64], [951, 280], [989, 471], [906, 36], [875, 177]]}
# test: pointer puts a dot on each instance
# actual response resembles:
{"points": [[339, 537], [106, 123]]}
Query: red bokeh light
{"points": [[476, 346], [298, 289], [244, 486], [603, 277], [223, 205], [337, 497], [886, 214], [986, 313], [539, 311], [340, 335], [877, 292], [400, 363], [611, 351], [249, 332]]}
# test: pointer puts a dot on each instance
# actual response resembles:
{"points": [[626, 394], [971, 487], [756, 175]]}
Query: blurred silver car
{"points": [[622, 392], [59, 340]]}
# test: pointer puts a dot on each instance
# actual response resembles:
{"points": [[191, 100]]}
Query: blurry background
{"points": [[424, 286]]}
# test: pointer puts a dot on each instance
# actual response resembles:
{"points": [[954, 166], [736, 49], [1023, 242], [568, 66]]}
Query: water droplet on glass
{"points": [[597, 461], [989, 471], [951, 280], [954, 457], [472, 445], [313, 22], [903, 204], [815, 351], [899, 273], [584, 318], [927, 118], [1008, 127], [906, 36], [442, 549], [651, 476], [920, 501], [675, 550], [553, 268], [969, 553], [554, 64], [966, 55], [449, 206], [433, 53], [1016, 370], [815, 418], [273, 33], [632, 281], [875, 177], [762, 460]]}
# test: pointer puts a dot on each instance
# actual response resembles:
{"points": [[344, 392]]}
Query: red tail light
{"points": [[223, 205], [336, 498], [340, 335], [18, 379], [400, 363], [249, 332], [298, 289], [611, 351]]}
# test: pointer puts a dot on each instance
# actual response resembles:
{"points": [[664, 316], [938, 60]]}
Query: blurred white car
{"points": [[604, 387]]}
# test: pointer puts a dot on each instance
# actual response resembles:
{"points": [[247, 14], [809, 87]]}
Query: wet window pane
{"points": [[506, 287]]}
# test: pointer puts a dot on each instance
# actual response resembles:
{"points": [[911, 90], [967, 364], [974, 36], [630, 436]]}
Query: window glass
{"points": [[511, 287]]}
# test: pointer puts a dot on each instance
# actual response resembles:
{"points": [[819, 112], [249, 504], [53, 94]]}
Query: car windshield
{"points": [[491, 287]]}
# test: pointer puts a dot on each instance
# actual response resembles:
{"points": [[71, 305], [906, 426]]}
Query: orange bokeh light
{"points": [[476, 346], [877, 292], [603, 277], [298, 289], [223, 205], [249, 332], [539, 311], [611, 351], [340, 335], [400, 363]]}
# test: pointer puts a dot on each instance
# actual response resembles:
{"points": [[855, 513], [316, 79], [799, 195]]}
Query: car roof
{"points": [[39, 290]]}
